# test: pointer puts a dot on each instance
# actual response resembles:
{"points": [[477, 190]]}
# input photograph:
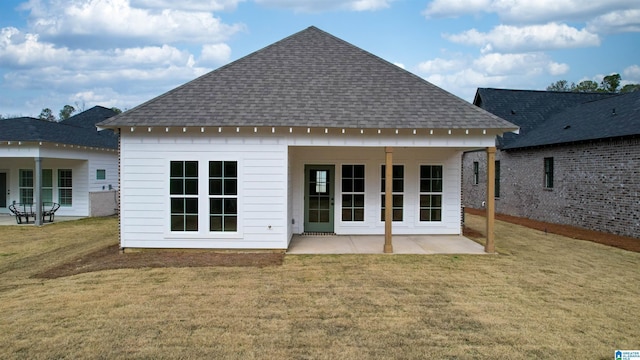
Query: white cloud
{"points": [[455, 8], [632, 73], [314, 6], [527, 11], [118, 19], [617, 21], [438, 65], [506, 38], [189, 5], [462, 76], [214, 54]]}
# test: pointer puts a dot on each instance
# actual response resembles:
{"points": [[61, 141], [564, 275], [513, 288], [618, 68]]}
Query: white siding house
{"points": [[73, 164], [244, 158]]}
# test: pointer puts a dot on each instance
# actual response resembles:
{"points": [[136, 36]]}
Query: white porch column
{"points": [[37, 191], [388, 199], [489, 246]]}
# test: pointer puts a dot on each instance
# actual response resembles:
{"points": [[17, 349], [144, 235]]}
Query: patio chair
{"points": [[22, 211], [49, 209]]}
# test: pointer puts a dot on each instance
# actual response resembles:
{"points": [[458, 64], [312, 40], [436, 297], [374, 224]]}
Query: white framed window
{"points": [[47, 185], [431, 193], [223, 196], [65, 187], [183, 193], [26, 186], [397, 192], [353, 193]]}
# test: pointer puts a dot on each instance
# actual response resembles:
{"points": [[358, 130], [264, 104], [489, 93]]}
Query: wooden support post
{"points": [[489, 246], [388, 199]]}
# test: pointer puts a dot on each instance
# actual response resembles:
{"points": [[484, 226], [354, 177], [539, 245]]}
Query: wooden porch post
{"points": [[489, 246], [388, 199], [37, 191]]}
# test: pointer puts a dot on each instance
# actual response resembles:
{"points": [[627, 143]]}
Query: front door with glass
{"points": [[318, 198]]}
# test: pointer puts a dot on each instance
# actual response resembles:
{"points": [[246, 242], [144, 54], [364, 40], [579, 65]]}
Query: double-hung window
{"points": [[26, 186], [548, 173], [352, 192], [223, 196], [397, 192], [65, 187], [183, 192], [47, 185], [431, 193]]}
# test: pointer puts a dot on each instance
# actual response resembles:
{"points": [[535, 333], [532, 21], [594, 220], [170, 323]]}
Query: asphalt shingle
{"points": [[616, 116], [528, 109], [77, 130], [310, 79]]}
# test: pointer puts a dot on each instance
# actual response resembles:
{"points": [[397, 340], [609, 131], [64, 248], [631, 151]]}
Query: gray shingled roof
{"points": [[529, 108], [612, 117], [310, 79], [70, 131]]}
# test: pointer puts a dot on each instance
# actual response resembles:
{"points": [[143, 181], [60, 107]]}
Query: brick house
{"points": [[576, 160]]}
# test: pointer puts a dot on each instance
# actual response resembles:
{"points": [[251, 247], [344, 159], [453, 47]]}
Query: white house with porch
{"points": [[68, 163], [308, 135]]}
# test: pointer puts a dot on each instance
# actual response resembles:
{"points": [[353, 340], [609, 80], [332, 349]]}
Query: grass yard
{"points": [[544, 296]]}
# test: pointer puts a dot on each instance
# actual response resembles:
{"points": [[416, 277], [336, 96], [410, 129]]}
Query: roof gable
{"points": [[89, 118], [310, 79]]}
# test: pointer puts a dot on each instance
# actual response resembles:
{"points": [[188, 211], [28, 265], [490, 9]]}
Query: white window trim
{"points": [[403, 193], [442, 194], [203, 234]]}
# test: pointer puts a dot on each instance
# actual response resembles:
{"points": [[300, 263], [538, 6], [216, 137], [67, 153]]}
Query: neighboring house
{"points": [[576, 160], [295, 138], [73, 164]]}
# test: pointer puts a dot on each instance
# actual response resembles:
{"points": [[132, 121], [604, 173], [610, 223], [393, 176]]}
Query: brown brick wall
{"points": [[596, 185]]}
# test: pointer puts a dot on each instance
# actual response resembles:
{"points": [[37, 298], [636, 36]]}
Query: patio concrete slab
{"points": [[373, 244]]}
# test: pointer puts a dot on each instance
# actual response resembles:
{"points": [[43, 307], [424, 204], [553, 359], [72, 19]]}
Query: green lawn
{"points": [[544, 296]]}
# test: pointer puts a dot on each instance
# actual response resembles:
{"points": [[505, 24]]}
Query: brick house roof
{"points": [[611, 117], [310, 79], [528, 108]]}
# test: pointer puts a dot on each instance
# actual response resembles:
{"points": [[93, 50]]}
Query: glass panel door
{"points": [[318, 198]]}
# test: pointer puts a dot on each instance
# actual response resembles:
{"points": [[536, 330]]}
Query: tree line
{"points": [[609, 84], [65, 113]]}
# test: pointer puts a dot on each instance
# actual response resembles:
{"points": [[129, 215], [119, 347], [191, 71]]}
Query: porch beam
{"points": [[37, 191], [489, 245], [388, 199]]}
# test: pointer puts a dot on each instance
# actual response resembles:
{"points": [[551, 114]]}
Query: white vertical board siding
{"points": [[262, 190], [373, 158]]}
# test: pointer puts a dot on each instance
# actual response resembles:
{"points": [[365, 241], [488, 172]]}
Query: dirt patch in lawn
{"points": [[622, 242], [110, 258]]}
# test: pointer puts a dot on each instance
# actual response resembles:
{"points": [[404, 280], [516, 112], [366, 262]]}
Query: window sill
{"points": [[547, 189]]}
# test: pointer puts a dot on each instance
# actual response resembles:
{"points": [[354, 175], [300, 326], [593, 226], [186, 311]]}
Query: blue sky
{"points": [[124, 52]]}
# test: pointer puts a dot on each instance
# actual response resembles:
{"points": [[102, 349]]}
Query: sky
{"points": [[121, 53]]}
